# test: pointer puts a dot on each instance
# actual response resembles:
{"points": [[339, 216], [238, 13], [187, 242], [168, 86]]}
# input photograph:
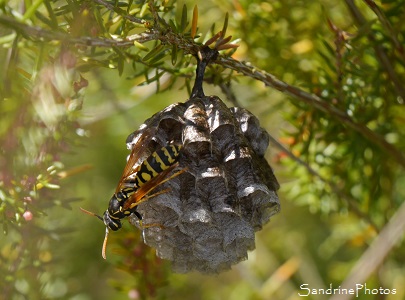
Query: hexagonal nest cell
{"points": [[208, 215]]}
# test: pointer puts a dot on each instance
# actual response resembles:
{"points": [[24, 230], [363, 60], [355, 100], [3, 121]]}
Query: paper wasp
{"points": [[137, 181]]}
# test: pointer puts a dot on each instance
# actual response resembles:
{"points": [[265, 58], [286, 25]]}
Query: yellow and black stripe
{"points": [[156, 163]]}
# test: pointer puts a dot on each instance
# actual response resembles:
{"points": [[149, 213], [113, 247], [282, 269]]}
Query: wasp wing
{"points": [[142, 193], [138, 151]]}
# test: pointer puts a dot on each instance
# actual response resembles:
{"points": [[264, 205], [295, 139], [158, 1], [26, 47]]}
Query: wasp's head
{"points": [[111, 223]]}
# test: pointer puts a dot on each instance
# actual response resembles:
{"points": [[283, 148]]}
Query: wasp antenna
{"points": [[91, 213], [105, 243]]}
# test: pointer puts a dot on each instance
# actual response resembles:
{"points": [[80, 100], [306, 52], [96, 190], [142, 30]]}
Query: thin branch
{"points": [[40, 34], [229, 93], [387, 25], [375, 254], [338, 191], [314, 101], [379, 50], [120, 12], [339, 45]]}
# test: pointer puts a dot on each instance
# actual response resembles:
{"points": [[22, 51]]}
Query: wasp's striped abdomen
{"points": [[156, 163]]}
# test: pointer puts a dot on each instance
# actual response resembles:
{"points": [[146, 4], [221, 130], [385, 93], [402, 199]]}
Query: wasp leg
{"points": [[143, 226], [151, 225], [133, 206], [148, 197], [174, 175]]}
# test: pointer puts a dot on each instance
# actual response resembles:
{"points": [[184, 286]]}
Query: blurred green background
{"points": [[63, 146]]}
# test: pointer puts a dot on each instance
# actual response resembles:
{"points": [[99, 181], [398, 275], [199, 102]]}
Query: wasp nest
{"points": [[210, 212]]}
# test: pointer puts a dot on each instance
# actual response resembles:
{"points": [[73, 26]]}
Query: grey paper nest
{"points": [[211, 212]]}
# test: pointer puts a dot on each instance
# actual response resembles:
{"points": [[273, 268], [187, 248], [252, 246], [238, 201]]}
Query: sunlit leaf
{"points": [[174, 54], [194, 22]]}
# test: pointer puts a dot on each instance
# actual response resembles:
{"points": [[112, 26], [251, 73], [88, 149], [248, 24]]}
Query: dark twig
{"points": [[204, 58]]}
